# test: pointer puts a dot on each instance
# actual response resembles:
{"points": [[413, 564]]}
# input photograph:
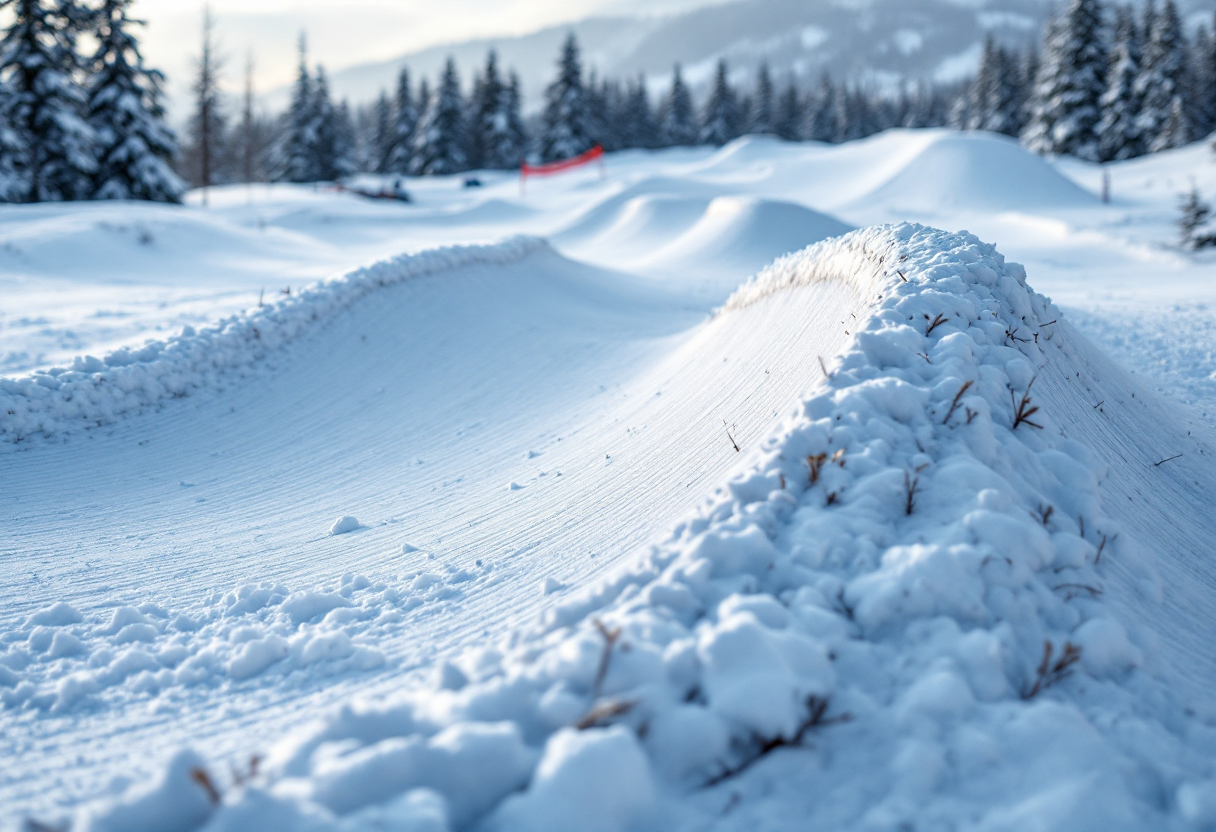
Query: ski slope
{"points": [[421, 483]]}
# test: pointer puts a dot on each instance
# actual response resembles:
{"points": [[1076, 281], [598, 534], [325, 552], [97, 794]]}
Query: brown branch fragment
{"points": [[958, 397], [1022, 410], [1051, 673]]}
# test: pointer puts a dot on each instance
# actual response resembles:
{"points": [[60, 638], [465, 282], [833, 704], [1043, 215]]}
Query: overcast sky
{"points": [[342, 33]]}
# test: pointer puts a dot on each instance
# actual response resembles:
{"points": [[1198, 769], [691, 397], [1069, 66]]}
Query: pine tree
{"points": [[1161, 80], [485, 113], [992, 102], [1201, 81], [820, 120], [208, 123], [1119, 130], [788, 121], [565, 130], [405, 124], [761, 115], [440, 141], [39, 64], [608, 113], [253, 135], [1066, 109], [1194, 228], [325, 150], [13, 152], [720, 122], [678, 124], [380, 148], [1176, 132], [346, 141], [135, 146], [1204, 82], [641, 129], [514, 137], [296, 151]]}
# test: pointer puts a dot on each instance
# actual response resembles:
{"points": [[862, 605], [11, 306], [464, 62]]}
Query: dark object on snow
{"points": [[472, 182], [394, 191]]}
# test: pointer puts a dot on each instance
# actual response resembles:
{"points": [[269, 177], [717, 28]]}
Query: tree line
{"points": [[1106, 83]]}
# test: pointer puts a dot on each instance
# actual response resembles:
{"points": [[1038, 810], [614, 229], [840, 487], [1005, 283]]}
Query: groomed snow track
{"points": [[960, 588]]}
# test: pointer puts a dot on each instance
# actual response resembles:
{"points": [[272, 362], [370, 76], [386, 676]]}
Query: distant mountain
{"points": [[878, 41]]}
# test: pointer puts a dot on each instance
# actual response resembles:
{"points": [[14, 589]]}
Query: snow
{"points": [[570, 602]]}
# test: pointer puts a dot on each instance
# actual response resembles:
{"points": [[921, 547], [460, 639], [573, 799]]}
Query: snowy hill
{"points": [[584, 529]]}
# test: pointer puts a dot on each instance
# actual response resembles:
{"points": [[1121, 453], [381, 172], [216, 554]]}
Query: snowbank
{"points": [[895, 620], [97, 391]]}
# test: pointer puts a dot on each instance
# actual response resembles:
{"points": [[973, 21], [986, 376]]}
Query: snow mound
{"points": [[96, 391], [634, 225], [977, 171], [740, 235], [925, 605], [688, 236]]}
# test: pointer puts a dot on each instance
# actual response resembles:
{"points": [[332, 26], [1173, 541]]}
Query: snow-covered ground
{"points": [[833, 594]]}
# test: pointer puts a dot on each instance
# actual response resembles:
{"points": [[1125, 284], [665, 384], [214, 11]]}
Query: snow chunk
{"points": [[178, 803], [760, 678], [593, 781], [56, 615], [308, 606], [255, 656], [344, 524], [1105, 649]]}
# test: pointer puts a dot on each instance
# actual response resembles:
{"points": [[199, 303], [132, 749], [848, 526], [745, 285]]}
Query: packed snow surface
{"points": [[599, 537]]}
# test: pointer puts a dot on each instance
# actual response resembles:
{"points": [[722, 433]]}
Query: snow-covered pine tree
{"points": [[1201, 81], [134, 145], [514, 137], [346, 141], [721, 120], [497, 144], [296, 152], [926, 107], [1176, 131], [608, 113], [788, 121], [1064, 116], [40, 66], [13, 184], [405, 124], [1161, 80], [1194, 223], [1119, 133], [485, 107], [760, 116], [440, 142], [678, 123], [972, 111], [323, 158], [820, 120], [993, 101], [641, 128], [565, 130], [380, 143]]}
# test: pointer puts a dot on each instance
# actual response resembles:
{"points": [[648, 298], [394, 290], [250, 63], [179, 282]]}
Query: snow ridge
{"points": [[854, 632], [93, 392]]}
